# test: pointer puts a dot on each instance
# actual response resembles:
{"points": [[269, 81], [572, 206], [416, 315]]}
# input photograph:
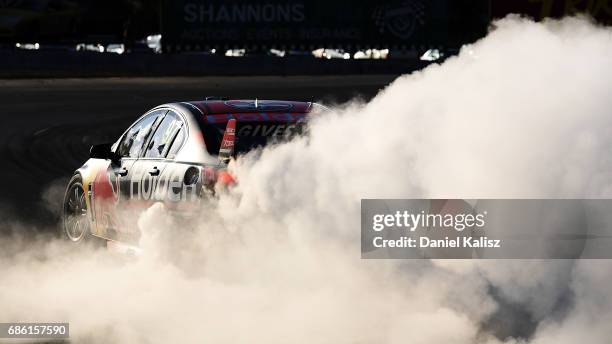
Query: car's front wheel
{"points": [[75, 224]]}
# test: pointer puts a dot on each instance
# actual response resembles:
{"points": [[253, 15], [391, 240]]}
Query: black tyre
{"points": [[75, 223]]}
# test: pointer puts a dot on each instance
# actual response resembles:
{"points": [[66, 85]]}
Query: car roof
{"points": [[212, 107]]}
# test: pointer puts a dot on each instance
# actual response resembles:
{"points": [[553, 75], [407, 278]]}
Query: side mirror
{"points": [[102, 151]]}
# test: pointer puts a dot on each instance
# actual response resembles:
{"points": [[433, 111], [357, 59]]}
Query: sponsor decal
{"points": [[227, 144], [269, 130], [169, 186]]}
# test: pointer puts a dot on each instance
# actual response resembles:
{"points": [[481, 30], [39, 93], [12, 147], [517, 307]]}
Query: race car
{"points": [[176, 154]]}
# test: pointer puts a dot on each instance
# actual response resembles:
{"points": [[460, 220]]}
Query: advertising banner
{"points": [[201, 24]]}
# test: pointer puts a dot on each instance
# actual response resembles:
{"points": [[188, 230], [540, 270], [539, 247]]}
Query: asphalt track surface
{"points": [[48, 125]]}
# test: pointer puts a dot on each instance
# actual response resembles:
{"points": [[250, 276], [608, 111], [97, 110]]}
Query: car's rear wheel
{"points": [[75, 224]]}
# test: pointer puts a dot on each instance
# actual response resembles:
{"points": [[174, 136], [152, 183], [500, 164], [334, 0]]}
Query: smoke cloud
{"points": [[523, 113]]}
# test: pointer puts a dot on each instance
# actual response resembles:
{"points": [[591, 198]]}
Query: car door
{"points": [[111, 188], [180, 178], [149, 179]]}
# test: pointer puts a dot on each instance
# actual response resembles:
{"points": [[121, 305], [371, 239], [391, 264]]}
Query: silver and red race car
{"points": [[175, 154]]}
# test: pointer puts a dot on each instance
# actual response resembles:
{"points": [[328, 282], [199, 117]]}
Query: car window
{"points": [[165, 132], [132, 141], [177, 143]]}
